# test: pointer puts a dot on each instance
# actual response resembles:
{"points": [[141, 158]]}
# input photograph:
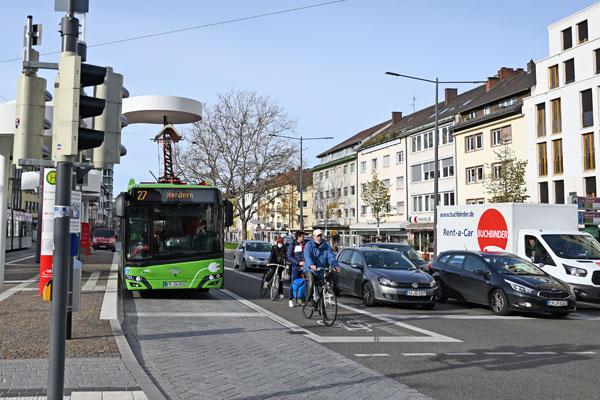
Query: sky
{"points": [[324, 65]]}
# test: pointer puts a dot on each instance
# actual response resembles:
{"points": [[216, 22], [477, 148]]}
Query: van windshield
{"points": [[104, 233], [574, 246]]}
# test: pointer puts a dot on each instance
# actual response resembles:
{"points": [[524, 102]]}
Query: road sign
{"points": [[589, 218]]}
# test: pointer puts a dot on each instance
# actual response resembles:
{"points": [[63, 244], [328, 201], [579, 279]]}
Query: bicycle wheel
{"points": [[275, 287], [307, 310], [328, 306], [264, 284]]}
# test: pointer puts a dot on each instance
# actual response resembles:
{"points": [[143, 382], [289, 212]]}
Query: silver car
{"points": [[252, 254], [379, 275]]}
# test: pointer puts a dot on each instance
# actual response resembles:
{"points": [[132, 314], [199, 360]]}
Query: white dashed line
{"points": [[500, 353], [418, 354], [580, 352], [460, 354], [540, 353], [373, 355]]}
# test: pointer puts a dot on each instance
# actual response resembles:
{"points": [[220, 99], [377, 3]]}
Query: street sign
{"points": [[47, 239], [75, 212], [589, 218]]}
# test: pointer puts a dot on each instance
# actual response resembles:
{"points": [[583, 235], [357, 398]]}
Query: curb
{"points": [[110, 312]]}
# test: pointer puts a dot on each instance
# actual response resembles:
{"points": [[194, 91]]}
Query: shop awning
{"points": [[419, 227], [383, 227]]}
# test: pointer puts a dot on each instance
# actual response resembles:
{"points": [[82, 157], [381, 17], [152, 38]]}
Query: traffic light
{"points": [[71, 105], [110, 121], [30, 121]]}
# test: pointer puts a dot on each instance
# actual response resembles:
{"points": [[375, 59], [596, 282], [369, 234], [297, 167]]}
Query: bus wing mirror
{"points": [[120, 206], [228, 213]]}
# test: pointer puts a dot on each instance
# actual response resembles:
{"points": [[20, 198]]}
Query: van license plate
{"points": [[174, 284], [557, 303], [416, 293]]}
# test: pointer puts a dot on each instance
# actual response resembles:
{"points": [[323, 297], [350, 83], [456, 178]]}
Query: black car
{"points": [[502, 281], [406, 250], [379, 275]]}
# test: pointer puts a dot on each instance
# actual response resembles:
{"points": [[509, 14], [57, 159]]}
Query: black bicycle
{"points": [[271, 284], [325, 300]]}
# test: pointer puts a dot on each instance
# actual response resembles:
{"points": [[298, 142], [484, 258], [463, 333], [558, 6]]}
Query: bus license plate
{"points": [[174, 284], [416, 293], [557, 303]]}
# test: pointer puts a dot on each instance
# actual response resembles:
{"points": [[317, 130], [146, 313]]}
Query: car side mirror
{"points": [[480, 272], [356, 266]]}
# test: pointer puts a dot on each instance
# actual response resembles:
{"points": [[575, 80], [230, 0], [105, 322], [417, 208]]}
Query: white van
{"points": [[546, 234]]}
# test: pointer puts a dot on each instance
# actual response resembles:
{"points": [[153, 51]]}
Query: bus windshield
{"points": [[172, 231], [573, 246]]}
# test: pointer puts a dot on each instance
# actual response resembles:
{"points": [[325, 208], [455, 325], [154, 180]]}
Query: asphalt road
{"points": [[458, 350]]}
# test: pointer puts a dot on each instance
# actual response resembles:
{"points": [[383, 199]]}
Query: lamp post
{"points": [[301, 189], [435, 146]]}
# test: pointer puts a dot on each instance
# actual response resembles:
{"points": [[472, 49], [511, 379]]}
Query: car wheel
{"points": [[560, 314], [368, 294], [429, 306], [245, 268], [442, 298], [499, 302]]}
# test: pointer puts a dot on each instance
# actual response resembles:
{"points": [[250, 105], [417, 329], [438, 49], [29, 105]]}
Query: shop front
{"points": [[420, 234]]}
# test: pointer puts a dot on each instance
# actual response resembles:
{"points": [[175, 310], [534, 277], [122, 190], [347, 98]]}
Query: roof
{"points": [[504, 88], [356, 138]]}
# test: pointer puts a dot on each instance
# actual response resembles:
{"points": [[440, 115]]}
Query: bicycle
{"points": [[325, 300], [271, 284]]}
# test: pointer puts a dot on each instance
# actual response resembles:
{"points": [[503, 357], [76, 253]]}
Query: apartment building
{"points": [[335, 202], [562, 114], [493, 120]]}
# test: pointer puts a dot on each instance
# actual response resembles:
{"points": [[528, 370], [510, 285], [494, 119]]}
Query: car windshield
{"points": [[387, 260], [511, 265], [413, 255], [258, 247], [574, 246], [107, 233]]}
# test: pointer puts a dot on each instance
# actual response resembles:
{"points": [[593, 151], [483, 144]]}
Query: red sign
{"points": [[492, 233], [85, 236]]}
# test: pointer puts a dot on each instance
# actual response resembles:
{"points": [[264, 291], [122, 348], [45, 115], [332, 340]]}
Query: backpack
{"points": [[298, 289]]}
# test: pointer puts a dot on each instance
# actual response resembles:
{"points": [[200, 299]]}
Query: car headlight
{"points": [[433, 283], [519, 288], [574, 270], [251, 258], [387, 282]]}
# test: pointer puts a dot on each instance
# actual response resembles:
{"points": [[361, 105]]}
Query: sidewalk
{"points": [[93, 360]]}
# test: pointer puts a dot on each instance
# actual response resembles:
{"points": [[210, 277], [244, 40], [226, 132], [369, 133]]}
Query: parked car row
{"points": [[396, 273]]}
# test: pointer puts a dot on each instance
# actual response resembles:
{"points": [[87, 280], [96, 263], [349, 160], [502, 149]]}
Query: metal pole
{"points": [[301, 190], [60, 280], [435, 172]]}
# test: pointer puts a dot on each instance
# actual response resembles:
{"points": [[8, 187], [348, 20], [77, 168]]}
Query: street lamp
{"points": [[435, 145], [301, 189]]}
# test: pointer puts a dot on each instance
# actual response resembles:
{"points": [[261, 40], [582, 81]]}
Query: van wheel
{"points": [[368, 294], [499, 302]]}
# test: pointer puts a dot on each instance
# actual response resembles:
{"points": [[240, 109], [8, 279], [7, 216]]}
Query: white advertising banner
{"points": [[75, 212]]}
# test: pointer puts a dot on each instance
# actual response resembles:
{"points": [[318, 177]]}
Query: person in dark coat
{"points": [[277, 257], [295, 255]]}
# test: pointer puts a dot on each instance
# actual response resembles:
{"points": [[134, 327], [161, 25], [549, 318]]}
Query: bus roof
{"points": [[133, 185]]}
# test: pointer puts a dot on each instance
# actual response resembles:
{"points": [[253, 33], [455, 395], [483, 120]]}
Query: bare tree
{"points": [[324, 201], [376, 196], [233, 147], [289, 207]]}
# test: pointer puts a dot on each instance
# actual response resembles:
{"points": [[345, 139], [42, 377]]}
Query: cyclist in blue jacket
{"points": [[295, 255], [317, 254]]}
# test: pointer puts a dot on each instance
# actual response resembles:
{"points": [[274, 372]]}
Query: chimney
{"points": [[491, 82], [450, 94], [507, 73], [396, 117], [530, 66]]}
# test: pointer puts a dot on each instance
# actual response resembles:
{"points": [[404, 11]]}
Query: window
{"points": [[428, 200], [496, 138], [363, 187], [456, 261], [469, 143], [346, 169], [472, 114], [587, 112], [352, 190], [346, 213], [473, 264], [567, 39], [374, 163], [321, 175], [386, 183], [496, 171], [559, 192], [556, 116], [590, 186], [508, 102], [542, 161], [487, 110], [345, 190], [447, 137], [448, 199], [479, 173], [416, 143], [399, 157], [327, 174], [415, 173], [447, 167], [400, 207], [582, 32], [597, 61], [399, 182], [352, 168], [352, 212], [304, 203], [569, 71], [475, 201], [506, 134], [417, 203], [428, 140], [553, 71], [428, 171], [386, 161], [541, 119], [475, 174], [363, 210], [479, 141], [363, 166], [589, 161], [543, 188], [339, 192], [470, 175], [557, 156]]}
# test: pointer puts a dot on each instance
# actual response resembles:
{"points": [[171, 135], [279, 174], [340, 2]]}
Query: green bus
{"points": [[172, 236]]}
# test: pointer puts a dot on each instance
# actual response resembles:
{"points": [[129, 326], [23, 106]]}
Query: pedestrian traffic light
{"points": [[71, 105], [110, 121], [29, 117]]}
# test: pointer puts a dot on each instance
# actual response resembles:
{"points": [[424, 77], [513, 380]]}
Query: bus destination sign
{"points": [[173, 195]]}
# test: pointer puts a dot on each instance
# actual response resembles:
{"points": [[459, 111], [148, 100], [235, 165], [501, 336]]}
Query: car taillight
{"points": [[430, 267]]}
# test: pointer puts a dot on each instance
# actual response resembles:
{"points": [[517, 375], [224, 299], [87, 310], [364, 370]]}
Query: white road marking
{"points": [[451, 316], [11, 291], [500, 353], [13, 282], [196, 314], [580, 352], [539, 353], [418, 354], [111, 292], [373, 355], [90, 284], [12, 262], [460, 354]]}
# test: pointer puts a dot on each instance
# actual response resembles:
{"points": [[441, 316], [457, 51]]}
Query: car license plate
{"points": [[174, 284], [557, 303], [416, 293]]}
